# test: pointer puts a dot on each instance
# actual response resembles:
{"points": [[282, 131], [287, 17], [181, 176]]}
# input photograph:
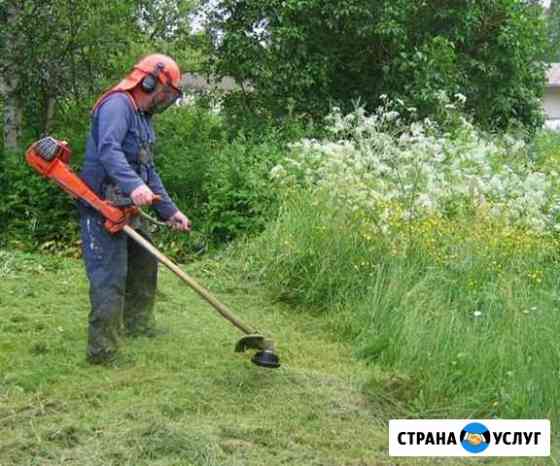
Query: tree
{"points": [[11, 46], [166, 26], [52, 50], [304, 55]]}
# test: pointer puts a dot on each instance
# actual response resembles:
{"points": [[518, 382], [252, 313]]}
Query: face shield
{"points": [[164, 98]]}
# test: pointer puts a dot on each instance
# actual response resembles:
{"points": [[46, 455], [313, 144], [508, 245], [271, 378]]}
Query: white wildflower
{"points": [[278, 172], [374, 160], [460, 97]]}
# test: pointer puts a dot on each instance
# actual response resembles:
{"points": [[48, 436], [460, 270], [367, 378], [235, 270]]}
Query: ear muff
{"points": [[149, 82]]}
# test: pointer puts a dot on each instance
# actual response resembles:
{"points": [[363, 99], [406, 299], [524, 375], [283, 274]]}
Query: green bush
{"points": [[187, 140], [218, 184], [37, 213], [220, 181], [218, 177], [300, 55], [239, 194], [545, 151]]}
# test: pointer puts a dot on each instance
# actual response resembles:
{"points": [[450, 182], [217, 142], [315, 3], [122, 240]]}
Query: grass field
{"points": [[184, 398]]}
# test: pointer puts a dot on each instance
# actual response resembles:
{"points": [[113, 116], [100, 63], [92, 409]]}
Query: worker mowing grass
{"points": [[123, 274], [119, 167]]}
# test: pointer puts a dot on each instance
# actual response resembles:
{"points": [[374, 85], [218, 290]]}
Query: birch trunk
{"points": [[13, 109], [50, 106], [12, 115]]}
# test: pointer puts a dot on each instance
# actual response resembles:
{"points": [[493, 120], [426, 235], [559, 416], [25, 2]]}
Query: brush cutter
{"points": [[51, 158]]}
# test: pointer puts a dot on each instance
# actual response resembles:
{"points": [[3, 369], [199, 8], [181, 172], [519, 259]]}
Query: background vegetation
{"points": [[381, 168], [311, 54], [293, 61]]}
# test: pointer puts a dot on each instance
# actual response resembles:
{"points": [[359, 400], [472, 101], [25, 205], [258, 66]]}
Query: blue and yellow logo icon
{"points": [[475, 437]]}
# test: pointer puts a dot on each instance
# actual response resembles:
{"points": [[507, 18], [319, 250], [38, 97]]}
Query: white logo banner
{"points": [[464, 437]]}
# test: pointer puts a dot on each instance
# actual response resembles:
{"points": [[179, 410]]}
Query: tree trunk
{"points": [[50, 105], [12, 118], [13, 108]]}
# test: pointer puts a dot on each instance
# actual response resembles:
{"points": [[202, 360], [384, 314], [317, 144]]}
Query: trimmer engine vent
{"points": [[47, 148]]}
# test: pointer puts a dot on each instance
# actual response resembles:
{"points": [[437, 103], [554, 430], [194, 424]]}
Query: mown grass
{"points": [[184, 398]]}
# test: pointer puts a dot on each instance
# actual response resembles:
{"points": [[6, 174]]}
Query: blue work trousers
{"points": [[122, 284]]}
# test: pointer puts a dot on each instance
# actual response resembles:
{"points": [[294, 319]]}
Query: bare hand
{"points": [[142, 195], [179, 221]]}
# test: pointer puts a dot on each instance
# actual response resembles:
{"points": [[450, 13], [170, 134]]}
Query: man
{"points": [[119, 166]]}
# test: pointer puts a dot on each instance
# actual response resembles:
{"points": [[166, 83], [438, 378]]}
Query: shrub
{"points": [[385, 167], [237, 183], [37, 213], [187, 140], [221, 182]]}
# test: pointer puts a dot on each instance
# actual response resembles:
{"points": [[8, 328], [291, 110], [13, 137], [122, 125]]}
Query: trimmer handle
{"points": [[127, 214]]}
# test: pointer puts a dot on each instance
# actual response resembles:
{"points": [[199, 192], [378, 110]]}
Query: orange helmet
{"points": [[160, 67], [149, 70]]}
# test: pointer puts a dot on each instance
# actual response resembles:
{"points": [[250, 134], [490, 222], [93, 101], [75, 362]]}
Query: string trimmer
{"points": [[51, 158]]}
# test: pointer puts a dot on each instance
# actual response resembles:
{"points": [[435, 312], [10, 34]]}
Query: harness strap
{"points": [[110, 92]]}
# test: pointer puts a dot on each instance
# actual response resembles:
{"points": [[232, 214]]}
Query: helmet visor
{"points": [[166, 97]]}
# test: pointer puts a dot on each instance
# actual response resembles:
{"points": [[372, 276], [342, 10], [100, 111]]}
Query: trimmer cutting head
{"points": [[266, 357]]}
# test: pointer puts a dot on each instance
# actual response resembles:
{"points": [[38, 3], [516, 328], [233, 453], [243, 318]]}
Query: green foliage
{"points": [[61, 54], [240, 198], [3, 193], [553, 23], [420, 292], [302, 55], [221, 183], [167, 20], [545, 151], [36, 213], [60, 50], [187, 139]]}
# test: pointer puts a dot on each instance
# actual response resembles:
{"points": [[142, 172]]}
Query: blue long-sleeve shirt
{"points": [[118, 134]]}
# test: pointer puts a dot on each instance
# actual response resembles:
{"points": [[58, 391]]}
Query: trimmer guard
{"points": [[257, 342]]}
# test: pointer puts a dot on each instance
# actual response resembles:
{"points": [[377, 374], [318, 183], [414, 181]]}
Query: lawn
{"points": [[183, 398]]}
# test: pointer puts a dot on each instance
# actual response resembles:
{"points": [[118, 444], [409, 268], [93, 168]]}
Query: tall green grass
{"points": [[466, 310]]}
